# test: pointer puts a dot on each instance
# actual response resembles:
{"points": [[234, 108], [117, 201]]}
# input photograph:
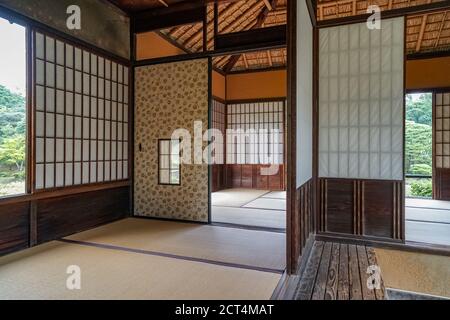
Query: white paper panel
{"points": [[304, 94], [361, 101], [73, 101]]}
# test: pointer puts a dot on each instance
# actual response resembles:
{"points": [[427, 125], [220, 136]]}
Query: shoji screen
{"points": [[361, 100], [442, 130], [264, 148], [81, 115]]}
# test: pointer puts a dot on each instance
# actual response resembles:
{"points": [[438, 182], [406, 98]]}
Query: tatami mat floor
{"points": [[149, 259], [428, 221], [249, 207]]}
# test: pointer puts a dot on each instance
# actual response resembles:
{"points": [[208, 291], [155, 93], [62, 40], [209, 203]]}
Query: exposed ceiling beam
{"points": [[196, 36], [268, 5], [422, 31], [236, 23], [269, 56], [164, 3], [166, 17], [245, 60], [259, 22], [440, 29]]}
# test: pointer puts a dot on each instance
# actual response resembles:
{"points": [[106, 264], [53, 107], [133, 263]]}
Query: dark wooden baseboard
{"points": [[25, 224], [358, 208], [302, 221]]}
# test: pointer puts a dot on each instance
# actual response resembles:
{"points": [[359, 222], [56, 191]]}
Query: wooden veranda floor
{"points": [[337, 271]]}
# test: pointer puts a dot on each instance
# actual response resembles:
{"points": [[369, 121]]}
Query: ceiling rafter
{"points": [[422, 31], [444, 17], [239, 24], [229, 9], [259, 22]]}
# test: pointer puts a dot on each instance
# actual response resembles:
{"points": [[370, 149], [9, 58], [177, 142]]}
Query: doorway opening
{"points": [[427, 155], [248, 182]]}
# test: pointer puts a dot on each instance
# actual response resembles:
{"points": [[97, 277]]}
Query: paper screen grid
{"points": [[81, 115], [442, 130], [265, 148], [361, 101]]}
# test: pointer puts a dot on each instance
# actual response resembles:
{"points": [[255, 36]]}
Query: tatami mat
{"points": [[257, 249], [40, 273], [427, 203], [430, 215], [416, 272], [250, 217], [269, 204], [428, 232], [275, 195], [235, 197]]}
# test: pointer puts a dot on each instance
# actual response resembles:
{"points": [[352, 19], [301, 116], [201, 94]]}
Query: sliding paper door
{"points": [[441, 128], [81, 116], [168, 97], [361, 129]]}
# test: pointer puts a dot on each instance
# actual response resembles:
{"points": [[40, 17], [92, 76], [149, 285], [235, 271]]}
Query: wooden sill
{"points": [[61, 192]]}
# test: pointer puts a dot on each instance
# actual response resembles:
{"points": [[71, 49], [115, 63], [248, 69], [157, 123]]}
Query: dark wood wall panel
{"points": [[63, 216], [338, 205], [303, 220], [218, 177], [441, 184], [379, 208], [14, 227], [249, 176], [362, 208]]}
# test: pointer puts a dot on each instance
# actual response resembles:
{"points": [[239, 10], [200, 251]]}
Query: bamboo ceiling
{"points": [[236, 16], [424, 33]]}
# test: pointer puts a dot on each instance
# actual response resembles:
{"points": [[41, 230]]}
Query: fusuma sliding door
{"points": [[361, 130], [168, 97]]}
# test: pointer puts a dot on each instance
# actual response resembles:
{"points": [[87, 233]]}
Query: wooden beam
{"points": [[440, 29], [163, 3], [197, 35], [166, 17], [266, 37], [259, 22], [269, 56], [243, 24], [245, 60], [205, 30], [216, 19], [422, 31], [268, 5]]}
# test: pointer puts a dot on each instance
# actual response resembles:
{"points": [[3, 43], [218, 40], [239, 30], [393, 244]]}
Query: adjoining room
{"points": [[249, 108]]}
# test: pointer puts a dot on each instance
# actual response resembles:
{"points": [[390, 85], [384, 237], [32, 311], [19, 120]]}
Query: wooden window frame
{"points": [[122, 84], [170, 163]]}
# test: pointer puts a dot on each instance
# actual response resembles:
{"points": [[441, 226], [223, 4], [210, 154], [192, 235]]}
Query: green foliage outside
{"points": [[422, 188], [418, 148], [12, 142]]}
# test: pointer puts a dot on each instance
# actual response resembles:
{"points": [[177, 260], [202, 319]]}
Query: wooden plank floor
{"points": [[337, 271]]}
